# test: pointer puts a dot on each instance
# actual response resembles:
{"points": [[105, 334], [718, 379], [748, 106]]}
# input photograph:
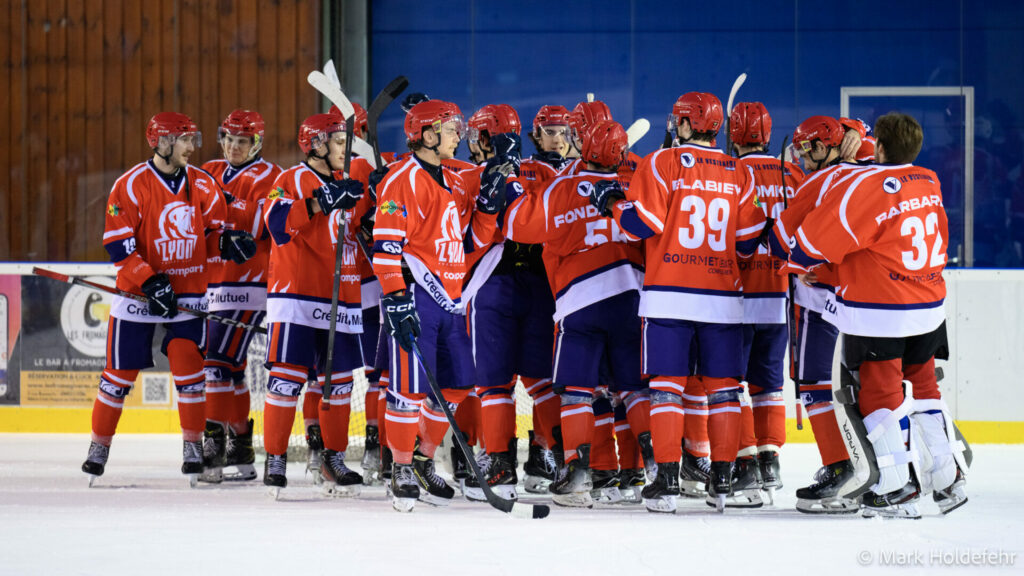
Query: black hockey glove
{"points": [[163, 302], [237, 246], [492, 185], [509, 147], [604, 194], [400, 318], [338, 195], [375, 178]]}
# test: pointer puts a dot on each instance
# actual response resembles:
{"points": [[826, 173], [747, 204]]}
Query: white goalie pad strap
{"points": [[892, 456], [875, 430]]}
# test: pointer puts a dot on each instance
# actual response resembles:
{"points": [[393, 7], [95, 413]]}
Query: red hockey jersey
{"points": [[886, 229], [243, 286], [700, 204], [151, 229]]}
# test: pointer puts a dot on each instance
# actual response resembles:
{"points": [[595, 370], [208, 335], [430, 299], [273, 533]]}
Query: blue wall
{"points": [[640, 56]]}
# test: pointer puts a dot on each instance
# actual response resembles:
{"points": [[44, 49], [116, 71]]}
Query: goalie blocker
{"points": [[884, 444]]}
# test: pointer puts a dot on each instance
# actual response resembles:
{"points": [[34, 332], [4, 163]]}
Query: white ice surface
{"points": [[142, 518]]}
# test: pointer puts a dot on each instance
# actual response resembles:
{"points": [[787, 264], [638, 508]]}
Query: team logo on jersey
{"points": [[448, 247], [891, 185], [391, 207], [113, 209], [275, 194], [177, 232], [585, 188], [687, 160]]}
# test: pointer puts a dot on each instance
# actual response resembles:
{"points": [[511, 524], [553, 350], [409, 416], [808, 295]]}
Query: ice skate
{"points": [[96, 461], [693, 475], [647, 455], [900, 503], [719, 486], [573, 486], [214, 453], [631, 482], [240, 457], [275, 473], [953, 496], [660, 494], [371, 461], [746, 485], [338, 479], [192, 461], [405, 491], [315, 443], [500, 476], [434, 490], [606, 487], [823, 497], [539, 469], [460, 467], [771, 479]]}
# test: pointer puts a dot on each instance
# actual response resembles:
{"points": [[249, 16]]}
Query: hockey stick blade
{"points": [[732, 93], [516, 509], [637, 130], [323, 84], [140, 298], [332, 73], [590, 96], [384, 98]]}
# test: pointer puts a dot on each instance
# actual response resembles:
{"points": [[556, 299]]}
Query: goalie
{"points": [[885, 228]]}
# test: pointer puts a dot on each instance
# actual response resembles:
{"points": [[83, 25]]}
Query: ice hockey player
{"points": [[551, 137], [820, 142], [697, 212], [597, 279], [164, 220], [422, 212], [885, 227], [307, 213], [238, 291], [764, 302]]}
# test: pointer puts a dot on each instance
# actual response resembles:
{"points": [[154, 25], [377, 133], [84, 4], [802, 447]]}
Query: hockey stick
{"points": [[384, 98], [516, 509], [728, 107], [332, 92], [140, 298], [590, 96], [637, 130], [331, 72], [791, 305], [339, 250]]}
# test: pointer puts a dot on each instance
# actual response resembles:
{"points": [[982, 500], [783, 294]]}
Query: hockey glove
{"points": [[338, 195], [400, 318], [163, 302], [509, 147], [237, 246], [604, 194], [375, 178], [492, 185]]}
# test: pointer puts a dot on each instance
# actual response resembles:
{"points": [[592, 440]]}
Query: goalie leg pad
{"points": [[942, 451], [854, 435], [892, 456]]}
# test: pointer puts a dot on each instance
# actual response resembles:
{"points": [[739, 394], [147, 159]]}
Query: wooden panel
{"points": [[55, 245], [77, 218], [39, 173], [266, 59], [95, 182], [8, 20]]}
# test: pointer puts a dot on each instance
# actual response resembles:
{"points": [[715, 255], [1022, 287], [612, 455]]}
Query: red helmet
{"points": [[551, 116], [317, 129], [750, 124], [704, 111], [593, 112], [605, 143], [244, 123], [494, 119], [360, 125], [432, 114], [824, 128], [171, 124]]}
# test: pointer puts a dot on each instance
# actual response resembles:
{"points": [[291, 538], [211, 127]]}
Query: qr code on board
{"points": [[156, 389]]}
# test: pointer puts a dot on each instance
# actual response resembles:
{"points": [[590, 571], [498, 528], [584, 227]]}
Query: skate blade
{"points": [[318, 478], [661, 505], [606, 495], [274, 492], [574, 500], [338, 491], [827, 506], [403, 504], [372, 478], [438, 501], [92, 480], [899, 511], [193, 480], [212, 476], [692, 489], [473, 493], [740, 499], [536, 484], [771, 495], [631, 496], [948, 509], [243, 473]]}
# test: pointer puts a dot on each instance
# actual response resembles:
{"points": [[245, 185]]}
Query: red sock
{"points": [[106, 409], [723, 417], [467, 416], [370, 404], [602, 448], [220, 394], [433, 423], [240, 408], [638, 411], [666, 417], [334, 422], [823, 423], [629, 450], [497, 415], [186, 363], [769, 418], [695, 430], [546, 409], [402, 426], [748, 441], [577, 421], [311, 404], [382, 408], [279, 410]]}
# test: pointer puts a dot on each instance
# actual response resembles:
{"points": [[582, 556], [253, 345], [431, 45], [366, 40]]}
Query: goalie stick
{"points": [[728, 107], [339, 250], [140, 298], [516, 509], [332, 92]]}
